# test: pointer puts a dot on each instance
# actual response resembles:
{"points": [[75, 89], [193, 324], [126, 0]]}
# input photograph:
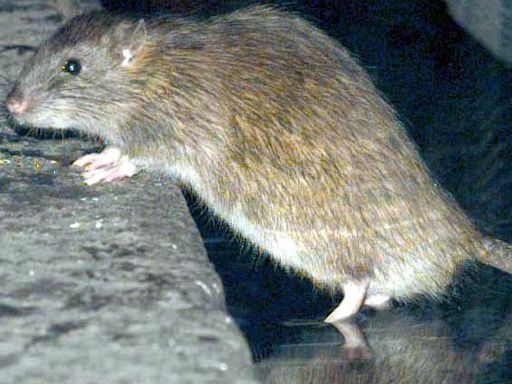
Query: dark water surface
{"points": [[455, 100]]}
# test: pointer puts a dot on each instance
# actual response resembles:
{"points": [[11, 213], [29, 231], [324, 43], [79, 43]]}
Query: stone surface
{"points": [[488, 21], [103, 284]]}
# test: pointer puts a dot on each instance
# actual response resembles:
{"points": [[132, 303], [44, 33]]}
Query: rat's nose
{"points": [[16, 103]]}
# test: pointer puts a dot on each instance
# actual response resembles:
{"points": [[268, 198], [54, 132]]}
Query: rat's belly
{"points": [[317, 250], [284, 247]]}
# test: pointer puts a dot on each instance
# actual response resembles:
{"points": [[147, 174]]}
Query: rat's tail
{"points": [[497, 253]]}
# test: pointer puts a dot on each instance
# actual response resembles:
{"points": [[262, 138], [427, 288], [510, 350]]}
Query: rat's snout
{"points": [[16, 103]]}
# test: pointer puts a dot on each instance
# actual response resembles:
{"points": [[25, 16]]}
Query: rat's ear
{"points": [[132, 39], [139, 35]]}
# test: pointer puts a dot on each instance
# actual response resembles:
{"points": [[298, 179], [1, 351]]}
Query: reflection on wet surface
{"points": [[402, 349]]}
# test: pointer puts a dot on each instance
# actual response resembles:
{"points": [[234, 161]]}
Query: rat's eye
{"points": [[72, 66]]}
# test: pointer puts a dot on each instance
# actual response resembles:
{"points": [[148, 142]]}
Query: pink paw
{"points": [[106, 166]]}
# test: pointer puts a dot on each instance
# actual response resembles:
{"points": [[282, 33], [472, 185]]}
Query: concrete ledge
{"points": [[106, 284]]}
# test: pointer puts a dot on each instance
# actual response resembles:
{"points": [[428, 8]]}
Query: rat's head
{"points": [[82, 77]]}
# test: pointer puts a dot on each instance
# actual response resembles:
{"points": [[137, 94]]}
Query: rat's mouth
{"points": [[42, 127], [41, 120], [24, 127], [18, 123]]}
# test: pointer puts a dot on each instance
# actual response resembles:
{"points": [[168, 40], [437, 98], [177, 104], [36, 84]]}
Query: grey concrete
{"points": [[104, 284], [488, 21]]}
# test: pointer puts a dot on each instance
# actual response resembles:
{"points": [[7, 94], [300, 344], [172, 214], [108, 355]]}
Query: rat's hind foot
{"points": [[106, 166], [354, 294], [378, 301]]}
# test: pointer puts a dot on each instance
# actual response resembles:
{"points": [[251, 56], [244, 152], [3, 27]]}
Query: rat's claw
{"points": [[106, 166], [123, 168], [108, 156]]}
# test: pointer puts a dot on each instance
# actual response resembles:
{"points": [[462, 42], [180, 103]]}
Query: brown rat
{"points": [[276, 127]]}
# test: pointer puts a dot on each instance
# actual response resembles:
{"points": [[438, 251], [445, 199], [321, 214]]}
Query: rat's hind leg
{"points": [[354, 294], [106, 166]]}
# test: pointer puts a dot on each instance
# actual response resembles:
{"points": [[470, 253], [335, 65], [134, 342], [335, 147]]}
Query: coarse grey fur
{"points": [[277, 128]]}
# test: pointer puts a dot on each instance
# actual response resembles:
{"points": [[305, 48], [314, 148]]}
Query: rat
{"points": [[278, 130]]}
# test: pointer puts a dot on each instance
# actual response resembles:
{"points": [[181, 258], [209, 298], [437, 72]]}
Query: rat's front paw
{"points": [[106, 166]]}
